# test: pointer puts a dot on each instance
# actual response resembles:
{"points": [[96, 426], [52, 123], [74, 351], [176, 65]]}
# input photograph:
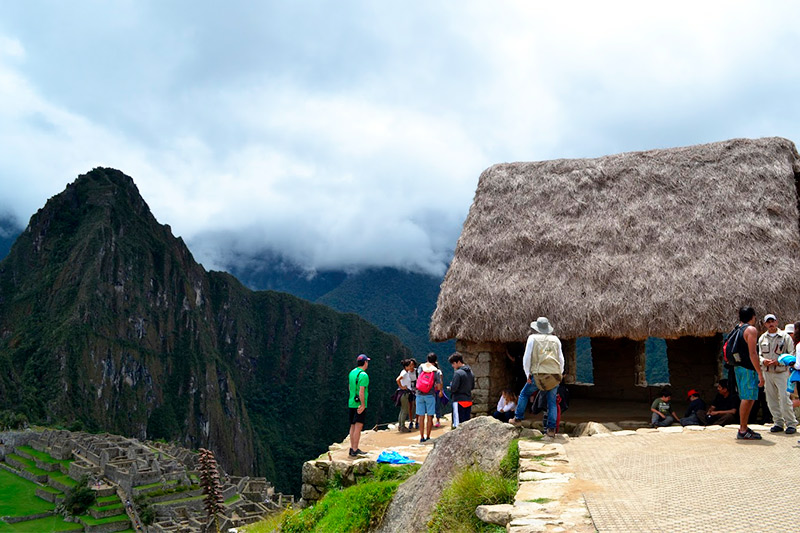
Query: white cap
{"points": [[789, 328], [769, 317]]}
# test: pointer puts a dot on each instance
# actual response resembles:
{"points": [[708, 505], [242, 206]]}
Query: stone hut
{"points": [[663, 243]]}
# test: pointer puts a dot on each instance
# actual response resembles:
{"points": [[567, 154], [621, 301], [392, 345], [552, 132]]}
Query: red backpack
{"points": [[425, 382]]}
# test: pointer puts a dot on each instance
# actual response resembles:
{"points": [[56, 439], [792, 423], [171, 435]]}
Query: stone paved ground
{"points": [[688, 480]]}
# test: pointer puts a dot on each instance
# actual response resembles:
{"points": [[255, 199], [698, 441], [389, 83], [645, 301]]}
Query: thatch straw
{"points": [[663, 243]]}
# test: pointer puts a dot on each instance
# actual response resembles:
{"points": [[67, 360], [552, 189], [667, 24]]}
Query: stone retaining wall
{"points": [[49, 496], [317, 475], [17, 519], [176, 496], [122, 525], [19, 470], [105, 513], [17, 438]]}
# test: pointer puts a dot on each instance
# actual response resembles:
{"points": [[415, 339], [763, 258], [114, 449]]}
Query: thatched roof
{"points": [[662, 243]]}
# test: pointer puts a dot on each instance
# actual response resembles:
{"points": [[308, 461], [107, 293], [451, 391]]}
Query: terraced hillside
{"points": [[134, 484]]}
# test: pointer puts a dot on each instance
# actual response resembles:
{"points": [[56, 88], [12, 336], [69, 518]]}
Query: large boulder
{"points": [[481, 442]]}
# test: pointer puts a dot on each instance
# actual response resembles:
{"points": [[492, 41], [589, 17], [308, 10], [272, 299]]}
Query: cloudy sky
{"points": [[346, 134]]}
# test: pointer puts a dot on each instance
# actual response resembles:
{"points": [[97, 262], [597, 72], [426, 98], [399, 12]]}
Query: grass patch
{"points": [[18, 496], [106, 499], [89, 520], [540, 500], [170, 502], [44, 457], [47, 524], [509, 466], [268, 525], [29, 465], [156, 484], [63, 479], [455, 511], [354, 509], [386, 472], [117, 506], [234, 498]]}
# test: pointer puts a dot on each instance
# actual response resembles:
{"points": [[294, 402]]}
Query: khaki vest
{"points": [[544, 359]]}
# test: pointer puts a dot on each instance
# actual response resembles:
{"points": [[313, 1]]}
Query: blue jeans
{"points": [[552, 401]]}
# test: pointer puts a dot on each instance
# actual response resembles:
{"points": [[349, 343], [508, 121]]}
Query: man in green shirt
{"points": [[358, 381]]}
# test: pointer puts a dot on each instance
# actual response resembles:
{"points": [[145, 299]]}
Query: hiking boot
{"points": [[551, 432], [515, 422], [404, 429], [360, 452], [748, 435], [791, 430], [776, 429], [352, 453]]}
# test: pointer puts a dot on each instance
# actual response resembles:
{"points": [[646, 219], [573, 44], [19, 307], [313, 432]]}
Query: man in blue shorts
{"points": [[748, 376]]}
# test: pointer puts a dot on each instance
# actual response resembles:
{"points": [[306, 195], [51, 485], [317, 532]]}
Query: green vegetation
{"points": [[509, 466], [156, 484], [40, 525], [106, 499], [106, 507], [352, 510], [18, 496], [44, 457], [12, 420], [78, 499], [93, 257], [63, 479], [145, 509], [29, 465], [455, 511], [541, 500], [89, 520], [385, 472], [190, 499], [269, 524]]}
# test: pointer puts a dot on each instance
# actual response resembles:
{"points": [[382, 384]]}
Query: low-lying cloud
{"points": [[343, 136]]}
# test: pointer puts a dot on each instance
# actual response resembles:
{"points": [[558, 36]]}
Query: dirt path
{"points": [[374, 442]]}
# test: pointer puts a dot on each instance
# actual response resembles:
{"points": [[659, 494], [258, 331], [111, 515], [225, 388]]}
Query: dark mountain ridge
{"points": [[106, 320]]}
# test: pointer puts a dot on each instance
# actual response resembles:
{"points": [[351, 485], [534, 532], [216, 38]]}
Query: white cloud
{"points": [[355, 135]]}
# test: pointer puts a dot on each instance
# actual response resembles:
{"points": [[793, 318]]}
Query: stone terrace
{"points": [[162, 474]]}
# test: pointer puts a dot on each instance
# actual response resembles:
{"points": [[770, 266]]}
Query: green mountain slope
{"points": [[106, 319], [8, 234]]}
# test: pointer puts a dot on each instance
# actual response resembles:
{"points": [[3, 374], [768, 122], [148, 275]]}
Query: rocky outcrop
{"points": [[481, 442], [319, 474]]}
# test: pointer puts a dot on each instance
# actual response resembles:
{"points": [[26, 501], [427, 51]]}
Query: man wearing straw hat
{"points": [[543, 364]]}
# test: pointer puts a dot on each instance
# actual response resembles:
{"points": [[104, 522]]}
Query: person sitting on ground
{"points": [[723, 408], [506, 406], [696, 413], [663, 415]]}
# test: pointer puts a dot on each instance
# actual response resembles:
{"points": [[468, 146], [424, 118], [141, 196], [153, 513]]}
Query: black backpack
{"points": [[735, 351]]}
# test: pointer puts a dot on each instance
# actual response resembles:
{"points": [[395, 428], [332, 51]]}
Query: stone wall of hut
{"points": [[618, 369]]}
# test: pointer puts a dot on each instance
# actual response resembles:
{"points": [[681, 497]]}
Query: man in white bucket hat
{"points": [[543, 364]]}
